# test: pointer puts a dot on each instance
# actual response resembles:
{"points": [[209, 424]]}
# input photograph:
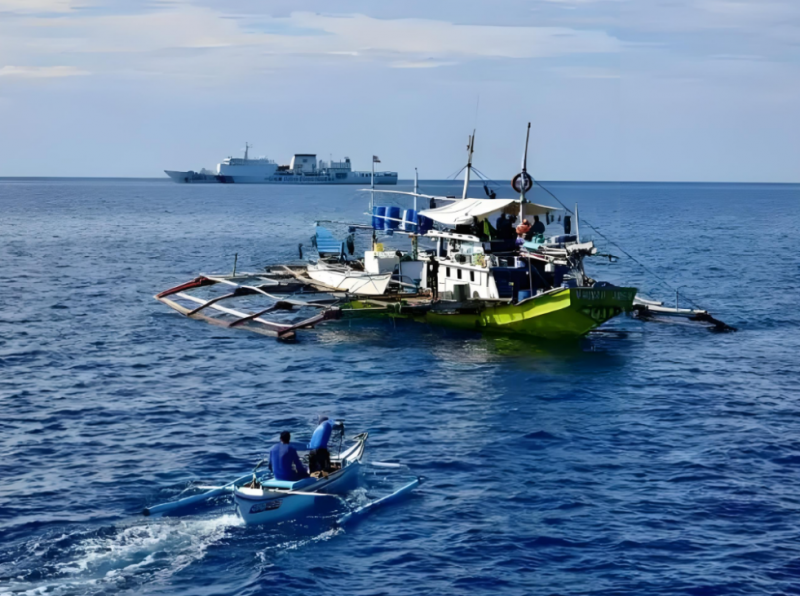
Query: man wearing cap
{"points": [[319, 459]]}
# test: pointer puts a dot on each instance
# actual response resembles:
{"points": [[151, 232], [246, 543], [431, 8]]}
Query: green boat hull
{"points": [[566, 313]]}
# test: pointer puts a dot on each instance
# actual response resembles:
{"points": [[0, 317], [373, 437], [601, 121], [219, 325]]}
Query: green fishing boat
{"points": [[468, 267]]}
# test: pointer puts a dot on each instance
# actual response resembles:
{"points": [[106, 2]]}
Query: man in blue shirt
{"points": [[319, 458], [284, 461]]}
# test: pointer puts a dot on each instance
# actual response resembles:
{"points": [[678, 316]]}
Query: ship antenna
{"points": [[470, 149], [246, 147], [416, 188]]}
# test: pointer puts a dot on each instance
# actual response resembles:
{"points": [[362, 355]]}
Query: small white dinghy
{"points": [[347, 279], [278, 500]]}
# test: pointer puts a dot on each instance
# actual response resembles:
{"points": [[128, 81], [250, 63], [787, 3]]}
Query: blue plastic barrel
{"points": [[425, 224], [378, 214], [392, 221], [523, 295], [409, 221]]}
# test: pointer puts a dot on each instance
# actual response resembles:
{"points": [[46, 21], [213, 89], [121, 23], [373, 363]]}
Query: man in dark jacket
{"points": [[284, 461], [538, 226], [433, 277]]}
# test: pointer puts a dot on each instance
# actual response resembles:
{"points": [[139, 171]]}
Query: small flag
{"points": [[375, 159]]}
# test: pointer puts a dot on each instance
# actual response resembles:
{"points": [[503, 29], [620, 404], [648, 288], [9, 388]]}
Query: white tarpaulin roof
{"points": [[462, 212]]}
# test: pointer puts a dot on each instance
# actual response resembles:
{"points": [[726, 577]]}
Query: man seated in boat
{"points": [[284, 461], [319, 458]]}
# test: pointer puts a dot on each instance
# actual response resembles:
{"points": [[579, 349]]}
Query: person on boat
{"points": [[284, 461], [433, 277], [319, 458], [538, 226], [523, 228], [503, 227]]}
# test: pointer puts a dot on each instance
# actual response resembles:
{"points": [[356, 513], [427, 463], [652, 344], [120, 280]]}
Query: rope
{"points": [[663, 282], [485, 178], [453, 176]]}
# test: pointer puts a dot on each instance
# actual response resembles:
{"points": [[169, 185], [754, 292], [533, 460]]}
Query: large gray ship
{"points": [[304, 168]]}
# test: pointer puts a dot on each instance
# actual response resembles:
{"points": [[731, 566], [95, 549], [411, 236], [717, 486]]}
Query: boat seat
{"points": [[288, 484], [326, 244]]}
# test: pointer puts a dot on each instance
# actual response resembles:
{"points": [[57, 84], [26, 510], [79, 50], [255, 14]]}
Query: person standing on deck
{"points": [[319, 458], [538, 226], [433, 277], [503, 227], [284, 461]]}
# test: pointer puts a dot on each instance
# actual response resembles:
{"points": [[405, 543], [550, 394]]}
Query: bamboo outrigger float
{"points": [[473, 275]]}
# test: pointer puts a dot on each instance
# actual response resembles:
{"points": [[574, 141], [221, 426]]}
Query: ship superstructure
{"points": [[304, 168]]}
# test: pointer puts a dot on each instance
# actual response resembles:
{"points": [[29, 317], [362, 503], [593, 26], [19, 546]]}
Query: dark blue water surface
{"points": [[650, 459]]}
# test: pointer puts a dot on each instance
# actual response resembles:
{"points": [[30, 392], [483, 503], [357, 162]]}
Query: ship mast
{"points": [[247, 146], [524, 176], [470, 149]]}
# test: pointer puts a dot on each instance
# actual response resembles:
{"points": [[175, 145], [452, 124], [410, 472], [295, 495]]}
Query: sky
{"points": [[616, 90]]}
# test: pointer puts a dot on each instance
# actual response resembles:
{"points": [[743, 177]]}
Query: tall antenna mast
{"points": [[470, 149], [416, 188], [525, 166], [522, 182], [246, 147]]}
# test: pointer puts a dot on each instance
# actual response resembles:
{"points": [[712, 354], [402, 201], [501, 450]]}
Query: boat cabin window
{"points": [[472, 276], [458, 273], [447, 272]]}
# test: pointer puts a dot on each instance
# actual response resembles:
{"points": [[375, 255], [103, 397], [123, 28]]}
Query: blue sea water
{"points": [[648, 459]]}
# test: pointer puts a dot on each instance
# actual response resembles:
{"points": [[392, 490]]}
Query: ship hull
{"points": [[563, 314], [191, 177]]}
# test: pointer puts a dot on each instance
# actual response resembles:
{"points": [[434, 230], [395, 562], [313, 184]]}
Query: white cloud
{"points": [[180, 32], [40, 6], [444, 39], [585, 72], [420, 64], [41, 72]]}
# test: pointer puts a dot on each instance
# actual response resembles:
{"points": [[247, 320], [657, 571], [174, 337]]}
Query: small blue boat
{"points": [[273, 500]]}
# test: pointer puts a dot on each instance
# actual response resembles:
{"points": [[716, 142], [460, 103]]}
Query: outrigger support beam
{"points": [[326, 315], [252, 321], [197, 282], [239, 291], [718, 325], [280, 305]]}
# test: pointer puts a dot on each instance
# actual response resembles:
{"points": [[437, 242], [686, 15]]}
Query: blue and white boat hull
{"points": [[276, 501]]}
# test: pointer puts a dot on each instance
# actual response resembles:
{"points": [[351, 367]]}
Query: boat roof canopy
{"points": [[462, 212]]}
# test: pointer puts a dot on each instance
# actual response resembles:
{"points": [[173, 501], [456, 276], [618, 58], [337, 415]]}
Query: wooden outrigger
{"points": [[252, 321]]}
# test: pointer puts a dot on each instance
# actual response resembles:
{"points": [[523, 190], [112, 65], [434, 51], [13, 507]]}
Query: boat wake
{"points": [[112, 558]]}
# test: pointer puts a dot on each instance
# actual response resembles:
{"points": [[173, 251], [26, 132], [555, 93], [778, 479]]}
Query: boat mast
{"points": [[470, 149], [246, 147], [372, 186], [416, 188], [414, 248], [524, 176]]}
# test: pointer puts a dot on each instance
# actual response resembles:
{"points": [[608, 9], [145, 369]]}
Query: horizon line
{"points": [[409, 180]]}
